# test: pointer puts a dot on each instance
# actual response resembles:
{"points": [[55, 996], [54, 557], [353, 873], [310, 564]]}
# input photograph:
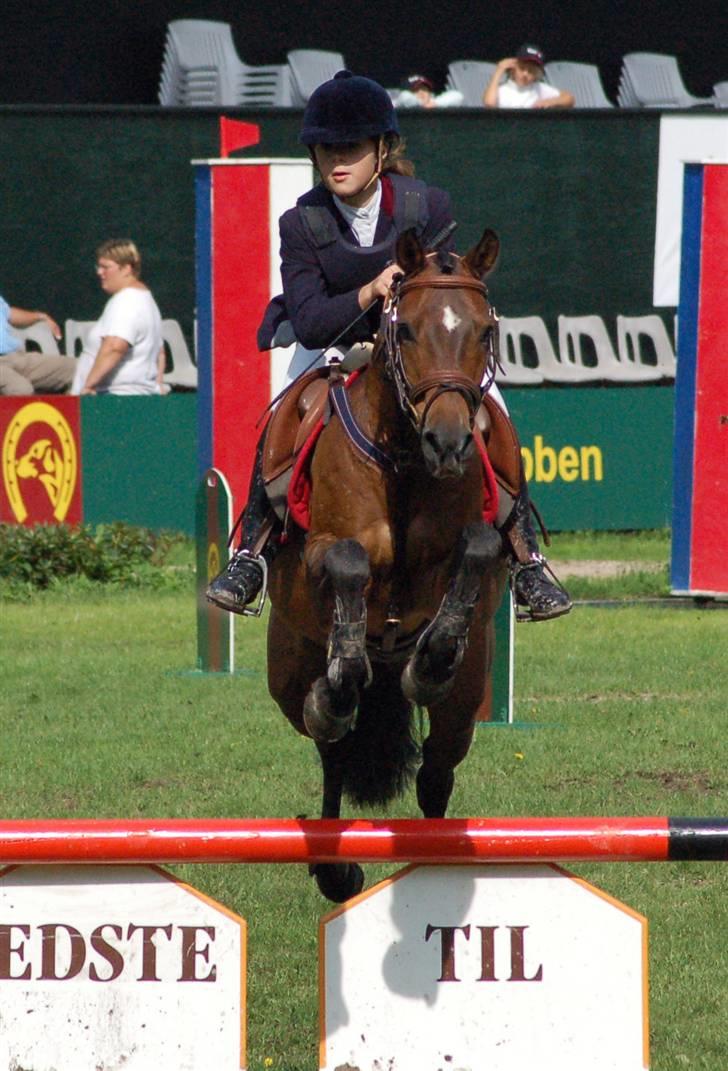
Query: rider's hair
{"points": [[395, 160], [121, 251]]}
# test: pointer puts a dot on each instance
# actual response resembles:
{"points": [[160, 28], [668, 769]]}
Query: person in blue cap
{"points": [[337, 249]]}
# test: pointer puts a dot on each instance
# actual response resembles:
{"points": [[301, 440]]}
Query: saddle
{"points": [[305, 407], [299, 412]]}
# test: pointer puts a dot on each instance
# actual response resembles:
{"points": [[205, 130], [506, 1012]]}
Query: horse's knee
{"points": [[347, 565], [482, 545]]}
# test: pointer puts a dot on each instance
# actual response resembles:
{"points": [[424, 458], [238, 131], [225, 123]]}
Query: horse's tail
{"points": [[383, 755]]}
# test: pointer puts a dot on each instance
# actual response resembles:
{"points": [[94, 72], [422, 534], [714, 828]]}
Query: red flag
{"points": [[237, 135]]}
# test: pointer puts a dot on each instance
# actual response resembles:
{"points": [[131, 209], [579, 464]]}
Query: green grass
{"points": [[648, 546], [624, 711]]}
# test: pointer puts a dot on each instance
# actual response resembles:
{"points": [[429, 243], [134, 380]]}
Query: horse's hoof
{"points": [[338, 881], [321, 723], [422, 692]]}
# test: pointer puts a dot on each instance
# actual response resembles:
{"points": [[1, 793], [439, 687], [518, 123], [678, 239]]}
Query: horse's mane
{"points": [[444, 262]]}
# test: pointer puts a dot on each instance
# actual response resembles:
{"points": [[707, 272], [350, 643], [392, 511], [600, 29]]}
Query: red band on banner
{"points": [[40, 459], [709, 564], [240, 293]]}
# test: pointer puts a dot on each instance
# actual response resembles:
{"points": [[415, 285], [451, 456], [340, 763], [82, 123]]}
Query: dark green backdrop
{"points": [[572, 196]]}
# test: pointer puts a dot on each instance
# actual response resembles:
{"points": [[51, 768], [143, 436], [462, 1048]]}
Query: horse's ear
{"points": [[482, 257], [410, 254]]}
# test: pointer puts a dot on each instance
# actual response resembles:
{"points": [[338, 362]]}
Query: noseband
{"points": [[444, 380]]}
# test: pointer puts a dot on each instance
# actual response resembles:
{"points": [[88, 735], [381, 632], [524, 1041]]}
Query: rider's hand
{"points": [[506, 65], [379, 287]]}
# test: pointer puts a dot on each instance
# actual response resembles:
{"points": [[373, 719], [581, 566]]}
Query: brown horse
{"points": [[389, 602]]}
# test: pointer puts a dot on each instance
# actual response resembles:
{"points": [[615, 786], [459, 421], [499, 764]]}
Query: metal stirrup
{"points": [[257, 609]]}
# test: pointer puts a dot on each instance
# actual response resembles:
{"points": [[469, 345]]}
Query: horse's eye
{"points": [[404, 333], [487, 336]]}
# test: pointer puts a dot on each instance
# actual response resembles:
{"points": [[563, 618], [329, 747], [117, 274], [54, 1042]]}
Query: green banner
{"points": [[597, 458]]}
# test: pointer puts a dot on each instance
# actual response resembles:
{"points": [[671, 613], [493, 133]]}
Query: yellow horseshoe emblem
{"points": [[57, 471], [213, 562]]}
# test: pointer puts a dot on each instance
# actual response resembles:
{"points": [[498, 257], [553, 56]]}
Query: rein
{"points": [[444, 381]]}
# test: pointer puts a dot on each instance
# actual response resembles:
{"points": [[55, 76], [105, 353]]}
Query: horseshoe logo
{"points": [[52, 460], [213, 561]]}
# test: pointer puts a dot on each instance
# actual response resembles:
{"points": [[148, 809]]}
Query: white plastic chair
{"points": [[631, 330], [580, 79], [183, 372], [574, 329], [549, 367], [626, 96], [39, 333], [657, 82], [309, 68], [471, 78], [75, 335], [720, 94], [516, 373], [201, 67]]}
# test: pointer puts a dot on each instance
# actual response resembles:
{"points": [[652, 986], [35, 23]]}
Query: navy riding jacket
{"points": [[323, 267]]}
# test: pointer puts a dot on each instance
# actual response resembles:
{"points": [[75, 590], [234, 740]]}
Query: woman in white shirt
{"points": [[123, 352], [517, 82]]}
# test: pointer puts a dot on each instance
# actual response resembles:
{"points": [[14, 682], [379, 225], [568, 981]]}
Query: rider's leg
{"points": [[537, 596], [240, 582]]}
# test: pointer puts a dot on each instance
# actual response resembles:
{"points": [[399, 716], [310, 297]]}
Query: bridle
{"points": [[444, 380]]}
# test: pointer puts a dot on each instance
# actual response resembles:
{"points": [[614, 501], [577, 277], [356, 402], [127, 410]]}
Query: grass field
{"points": [[624, 711]]}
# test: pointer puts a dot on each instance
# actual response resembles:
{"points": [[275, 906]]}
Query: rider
{"points": [[336, 265]]}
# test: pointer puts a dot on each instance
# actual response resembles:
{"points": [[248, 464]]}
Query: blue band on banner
{"points": [[203, 292], [685, 379]]}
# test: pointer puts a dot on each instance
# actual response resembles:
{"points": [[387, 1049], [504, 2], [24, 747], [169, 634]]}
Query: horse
{"points": [[388, 603]]}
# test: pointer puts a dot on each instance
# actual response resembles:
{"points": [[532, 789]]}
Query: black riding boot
{"points": [[240, 583], [537, 596]]}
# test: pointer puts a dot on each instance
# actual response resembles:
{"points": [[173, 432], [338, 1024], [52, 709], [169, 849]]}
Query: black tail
{"points": [[383, 755]]}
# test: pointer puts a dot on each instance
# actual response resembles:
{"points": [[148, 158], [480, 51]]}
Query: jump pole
{"points": [[439, 841]]}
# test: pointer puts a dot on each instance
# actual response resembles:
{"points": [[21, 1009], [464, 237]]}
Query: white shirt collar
{"points": [[363, 221]]}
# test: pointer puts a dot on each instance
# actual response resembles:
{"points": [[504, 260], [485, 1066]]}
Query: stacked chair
{"points": [[720, 94], [470, 77], [651, 80], [201, 67], [309, 68], [580, 79]]}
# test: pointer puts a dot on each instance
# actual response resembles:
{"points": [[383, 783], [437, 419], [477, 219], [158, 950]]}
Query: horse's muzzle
{"points": [[447, 451]]}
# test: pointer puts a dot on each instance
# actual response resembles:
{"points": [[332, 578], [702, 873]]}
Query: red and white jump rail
{"points": [[444, 840]]}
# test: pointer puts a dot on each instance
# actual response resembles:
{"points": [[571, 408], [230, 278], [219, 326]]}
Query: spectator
{"points": [[420, 93], [518, 83], [24, 371], [123, 352]]}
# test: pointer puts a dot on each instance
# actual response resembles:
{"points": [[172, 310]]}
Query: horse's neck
{"points": [[380, 414]]}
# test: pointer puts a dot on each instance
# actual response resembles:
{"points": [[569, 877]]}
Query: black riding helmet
{"points": [[348, 108]]}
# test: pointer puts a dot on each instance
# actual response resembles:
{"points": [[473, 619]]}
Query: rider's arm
{"points": [[317, 316]]}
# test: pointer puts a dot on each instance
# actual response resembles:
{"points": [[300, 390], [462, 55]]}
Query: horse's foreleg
{"points": [[452, 721], [429, 674], [331, 704], [336, 881]]}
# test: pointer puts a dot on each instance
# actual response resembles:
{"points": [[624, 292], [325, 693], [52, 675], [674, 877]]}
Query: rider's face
{"points": [[348, 169], [525, 73]]}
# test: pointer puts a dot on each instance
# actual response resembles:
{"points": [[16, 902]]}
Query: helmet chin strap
{"points": [[380, 164]]}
